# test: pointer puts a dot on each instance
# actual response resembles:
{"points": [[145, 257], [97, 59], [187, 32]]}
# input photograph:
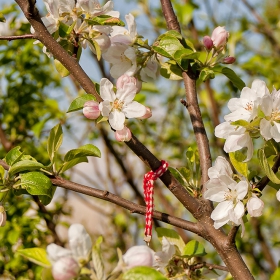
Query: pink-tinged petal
{"points": [[106, 90], [221, 222], [267, 105], [134, 110], [119, 69], [242, 189], [105, 108], [275, 131], [123, 135], [127, 92], [260, 87], [216, 194], [265, 129], [222, 209], [116, 120], [239, 210]]}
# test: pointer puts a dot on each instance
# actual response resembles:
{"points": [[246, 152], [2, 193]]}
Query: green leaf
{"points": [[78, 103], [46, 199], [172, 33], [13, 156], [86, 150], [236, 81], [25, 165], [2, 173], [241, 123], [64, 30], [97, 259], [185, 54], [237, 159], [54, 140], [276, 274], [63, 72], [170, 70], [36, 183], [143, 273], [71, 163], [47, 274], [97, 49], [2, 18], [172, 236], [170, 45], [36, 255], [206, 74], [105, 20], [177, 174], [193, 249], [267, 169]]}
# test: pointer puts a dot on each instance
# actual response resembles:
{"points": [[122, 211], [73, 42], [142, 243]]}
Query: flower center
{"points": [[249, 106], [231, 195], [275, 115], [117, 105]]}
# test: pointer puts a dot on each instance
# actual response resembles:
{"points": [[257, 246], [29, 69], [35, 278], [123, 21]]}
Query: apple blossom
{"points": [[269, 125], [236, 138], [122, 59], [228, 194], [91, 110], [65, 268], [229, 60], [138, 256], [219, 37], [220, 167], [246, 107], [207, 42], [123, 135], [162, 258], [124, 79], [150, 69], [255, 206], [117, 106], [122, 35]]}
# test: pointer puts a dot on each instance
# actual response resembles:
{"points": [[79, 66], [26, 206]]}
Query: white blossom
{"points": [[255, 206], [278, 195], [270, 124], [117, 106], [246, 107], [229, 194], [236, 138]]}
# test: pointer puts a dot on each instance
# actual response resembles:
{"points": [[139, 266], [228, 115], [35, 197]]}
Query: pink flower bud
{"points": [[207, 42], [229, 60], [147, 115], [139, 256], [219, 37], [3, 216], [123, 135], [65, 268], [255, 206], [125, 79], [91, 110]]}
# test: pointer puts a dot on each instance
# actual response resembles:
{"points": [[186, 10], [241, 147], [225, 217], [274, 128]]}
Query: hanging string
{"points": [[148, 187]]}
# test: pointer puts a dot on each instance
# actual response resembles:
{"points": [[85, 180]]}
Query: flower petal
{"points": [[242, 189], [134, 110], [116, 120], [127, 92], [222, 209], [106, 90]]}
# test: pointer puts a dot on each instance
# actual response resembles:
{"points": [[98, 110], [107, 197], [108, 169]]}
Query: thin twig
{"points": [[17, 37], [209, 266]]}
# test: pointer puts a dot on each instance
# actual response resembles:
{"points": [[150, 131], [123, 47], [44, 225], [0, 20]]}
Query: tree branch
{"points": [[12, 38]]}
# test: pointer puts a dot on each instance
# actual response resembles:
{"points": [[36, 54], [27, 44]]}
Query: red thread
{"points": [[148, 186]]}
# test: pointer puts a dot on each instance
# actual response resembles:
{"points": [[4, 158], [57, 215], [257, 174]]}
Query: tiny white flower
{"points": [[228, 193], [255, 206], [236, 138], [270, 125], [162, 258], [122, 59], [117, 106], [122, 35], [246, 107]]}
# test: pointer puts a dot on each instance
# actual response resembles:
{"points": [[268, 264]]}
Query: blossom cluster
{"points": [[67, 263], [234, 197], [216, 45], [256, 113]]}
